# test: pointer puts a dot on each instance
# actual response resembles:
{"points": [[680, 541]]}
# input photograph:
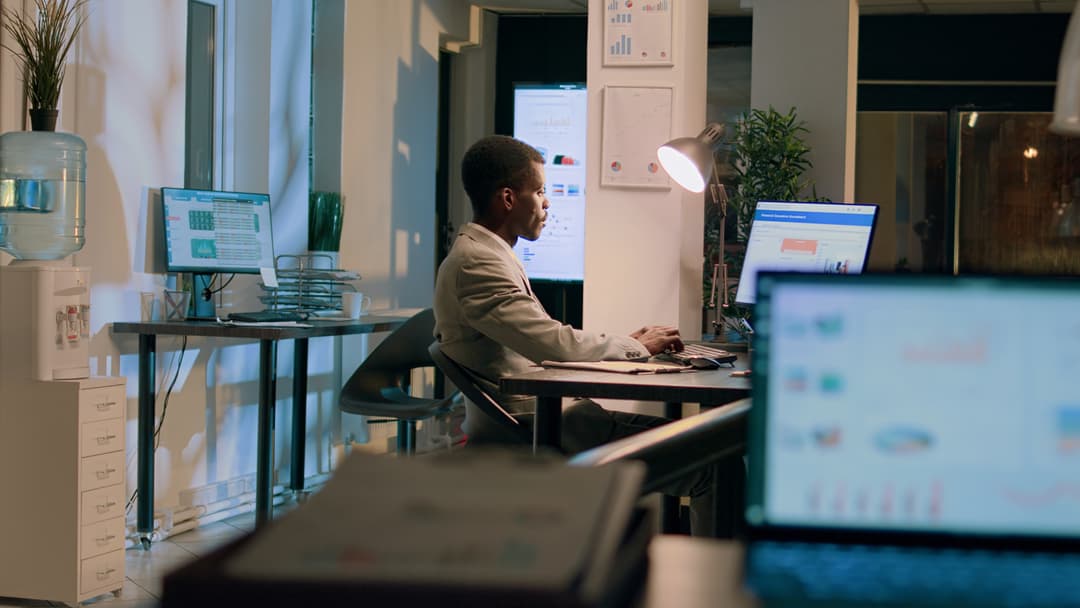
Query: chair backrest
{"points": [[387, 367], [476, 395], [679, 447]]}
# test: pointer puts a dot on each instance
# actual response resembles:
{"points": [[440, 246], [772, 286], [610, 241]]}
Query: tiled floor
{"points": [[145, 569]]}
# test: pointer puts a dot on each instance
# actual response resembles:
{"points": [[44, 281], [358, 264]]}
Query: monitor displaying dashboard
{"points": [[551, 117], [828, 238], [208, 231]]}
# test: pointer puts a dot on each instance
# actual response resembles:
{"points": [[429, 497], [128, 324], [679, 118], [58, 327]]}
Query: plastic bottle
{"points": [[42, 194]]}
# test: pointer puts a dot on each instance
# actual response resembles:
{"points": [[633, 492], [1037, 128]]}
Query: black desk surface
{"points": [[705, 386], [366, 324]]}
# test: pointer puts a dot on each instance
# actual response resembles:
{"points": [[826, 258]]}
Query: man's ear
{"points": [[506, 198]]}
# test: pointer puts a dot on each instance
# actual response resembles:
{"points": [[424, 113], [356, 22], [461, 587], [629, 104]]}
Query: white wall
{"points": [[388, 156], [643, 248], [804, 55], [125, 96], [472, 110]]}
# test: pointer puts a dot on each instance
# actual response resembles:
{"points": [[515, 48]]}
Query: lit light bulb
{"points": [[1031, 152]]}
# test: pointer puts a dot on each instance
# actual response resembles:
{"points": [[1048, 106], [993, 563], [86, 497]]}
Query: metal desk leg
{"points": [[729, 479], [299, 413], [264, 463], [670, 506], [145, 481], [547, 423]]}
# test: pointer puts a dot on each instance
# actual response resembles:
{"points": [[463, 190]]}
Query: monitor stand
{"points": [[202, 304]]}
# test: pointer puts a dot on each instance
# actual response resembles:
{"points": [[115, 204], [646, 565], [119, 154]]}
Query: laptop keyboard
{"points": [[913, 575]]}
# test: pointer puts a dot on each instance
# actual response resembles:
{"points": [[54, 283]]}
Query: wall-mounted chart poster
{"points": [[637, 32], [637, 121]]}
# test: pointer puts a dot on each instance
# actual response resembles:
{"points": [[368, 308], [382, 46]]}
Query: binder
{"points": [[478, 528]]}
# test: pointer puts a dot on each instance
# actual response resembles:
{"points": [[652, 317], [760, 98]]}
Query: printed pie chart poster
{"points": [[637, 121]]}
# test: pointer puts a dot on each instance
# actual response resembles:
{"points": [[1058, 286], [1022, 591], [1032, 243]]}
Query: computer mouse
{"points": [[704, 363]]}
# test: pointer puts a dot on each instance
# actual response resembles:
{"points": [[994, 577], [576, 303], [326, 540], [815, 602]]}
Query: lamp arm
{"points": [[719, 198]]}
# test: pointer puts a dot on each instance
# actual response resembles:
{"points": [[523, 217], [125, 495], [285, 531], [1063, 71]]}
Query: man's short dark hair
{"points": [[493, 163]]}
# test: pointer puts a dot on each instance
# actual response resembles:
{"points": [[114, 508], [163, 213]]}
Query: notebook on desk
{"points": [[910, 443]]}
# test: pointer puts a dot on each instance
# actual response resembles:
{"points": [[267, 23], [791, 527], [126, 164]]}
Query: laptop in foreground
{"points": [[915, 440]]}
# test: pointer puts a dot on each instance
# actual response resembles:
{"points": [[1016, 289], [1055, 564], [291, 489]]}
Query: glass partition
{"points": [[1018, 195]]}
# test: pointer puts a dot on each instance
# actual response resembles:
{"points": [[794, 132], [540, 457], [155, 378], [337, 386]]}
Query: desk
{"points": [[267, 337], [707, 387]]}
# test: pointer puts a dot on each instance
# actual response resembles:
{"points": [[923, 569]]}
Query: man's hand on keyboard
{"points": [[658, 338]]}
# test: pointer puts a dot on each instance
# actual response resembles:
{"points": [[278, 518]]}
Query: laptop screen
{"points": [[832, 238], [913, 402]]}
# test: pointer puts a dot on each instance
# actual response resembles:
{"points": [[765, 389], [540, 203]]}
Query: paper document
{"points": [[486, 519], [622, 367], [263, 323]]}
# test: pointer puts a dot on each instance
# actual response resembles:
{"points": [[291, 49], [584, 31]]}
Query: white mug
{"points": [[354, 304]]}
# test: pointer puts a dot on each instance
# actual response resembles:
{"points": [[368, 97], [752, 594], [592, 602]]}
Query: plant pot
{"points": [[42, 119]]}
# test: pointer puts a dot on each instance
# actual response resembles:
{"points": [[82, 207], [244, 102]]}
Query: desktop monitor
{"points": [[552, 118], [216, 232], [828, 238], [209, 232]]}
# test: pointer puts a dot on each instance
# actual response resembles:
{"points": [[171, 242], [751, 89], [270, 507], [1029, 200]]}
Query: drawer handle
{"points": [[106, 439], [105, 405], [105, 507], [104, 474], [104, 574], [105, 539]]}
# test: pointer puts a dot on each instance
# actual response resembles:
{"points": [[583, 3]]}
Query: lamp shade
{"points": [[689, 160], [1067, 96]]}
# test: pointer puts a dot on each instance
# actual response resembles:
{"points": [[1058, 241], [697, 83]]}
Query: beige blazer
{"points": [[487, 319]]}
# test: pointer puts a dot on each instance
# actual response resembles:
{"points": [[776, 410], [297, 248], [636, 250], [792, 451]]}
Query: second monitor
{"points": [[209, 232], [806, 237]]}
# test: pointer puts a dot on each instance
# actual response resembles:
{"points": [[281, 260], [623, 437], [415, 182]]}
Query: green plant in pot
{"points": [[326, 212], [769, 157], [40, 45]]}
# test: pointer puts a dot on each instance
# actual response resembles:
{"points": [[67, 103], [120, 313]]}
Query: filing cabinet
{"points": [[62, 461]]}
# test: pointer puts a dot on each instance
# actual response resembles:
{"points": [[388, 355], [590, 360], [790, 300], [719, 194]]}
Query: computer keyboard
{"points": [[700, 351], [268, 316], [951, 577]]}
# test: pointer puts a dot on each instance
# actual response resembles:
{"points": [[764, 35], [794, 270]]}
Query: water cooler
{"points": [[45, 320], [44, 300]]}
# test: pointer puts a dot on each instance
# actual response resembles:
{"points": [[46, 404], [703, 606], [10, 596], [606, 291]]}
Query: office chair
{"points": [[380, 385], [481, 401]]}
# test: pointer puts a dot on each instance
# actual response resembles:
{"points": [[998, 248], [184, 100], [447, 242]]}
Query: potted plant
{"points": [[40, 46], [769, 157]]}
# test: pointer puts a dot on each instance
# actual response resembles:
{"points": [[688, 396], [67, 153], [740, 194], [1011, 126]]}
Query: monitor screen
{"points": [[903, 402], [552, 119], [830, 238], [208, 231]]}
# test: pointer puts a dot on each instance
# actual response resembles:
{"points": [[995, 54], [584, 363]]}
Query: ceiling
{"points": [[866, 7]]}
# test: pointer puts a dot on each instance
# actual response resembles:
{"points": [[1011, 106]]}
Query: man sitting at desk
{"points": [[488, 321]]}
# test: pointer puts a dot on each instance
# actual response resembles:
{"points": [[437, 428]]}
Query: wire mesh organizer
{"points": [[308, 282]]}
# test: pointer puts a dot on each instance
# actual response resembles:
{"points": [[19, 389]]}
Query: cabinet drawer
{"points": [[102, 504], [101, 403], [101, 437], [101, 471], [104, 572], [102, 537]]}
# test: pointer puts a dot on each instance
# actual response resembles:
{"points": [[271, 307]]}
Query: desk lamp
{"points": [[691, 162]]}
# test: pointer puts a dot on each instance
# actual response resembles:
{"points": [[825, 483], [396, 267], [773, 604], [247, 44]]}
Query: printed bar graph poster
{"points": [[637, 32], [637, 121]]}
